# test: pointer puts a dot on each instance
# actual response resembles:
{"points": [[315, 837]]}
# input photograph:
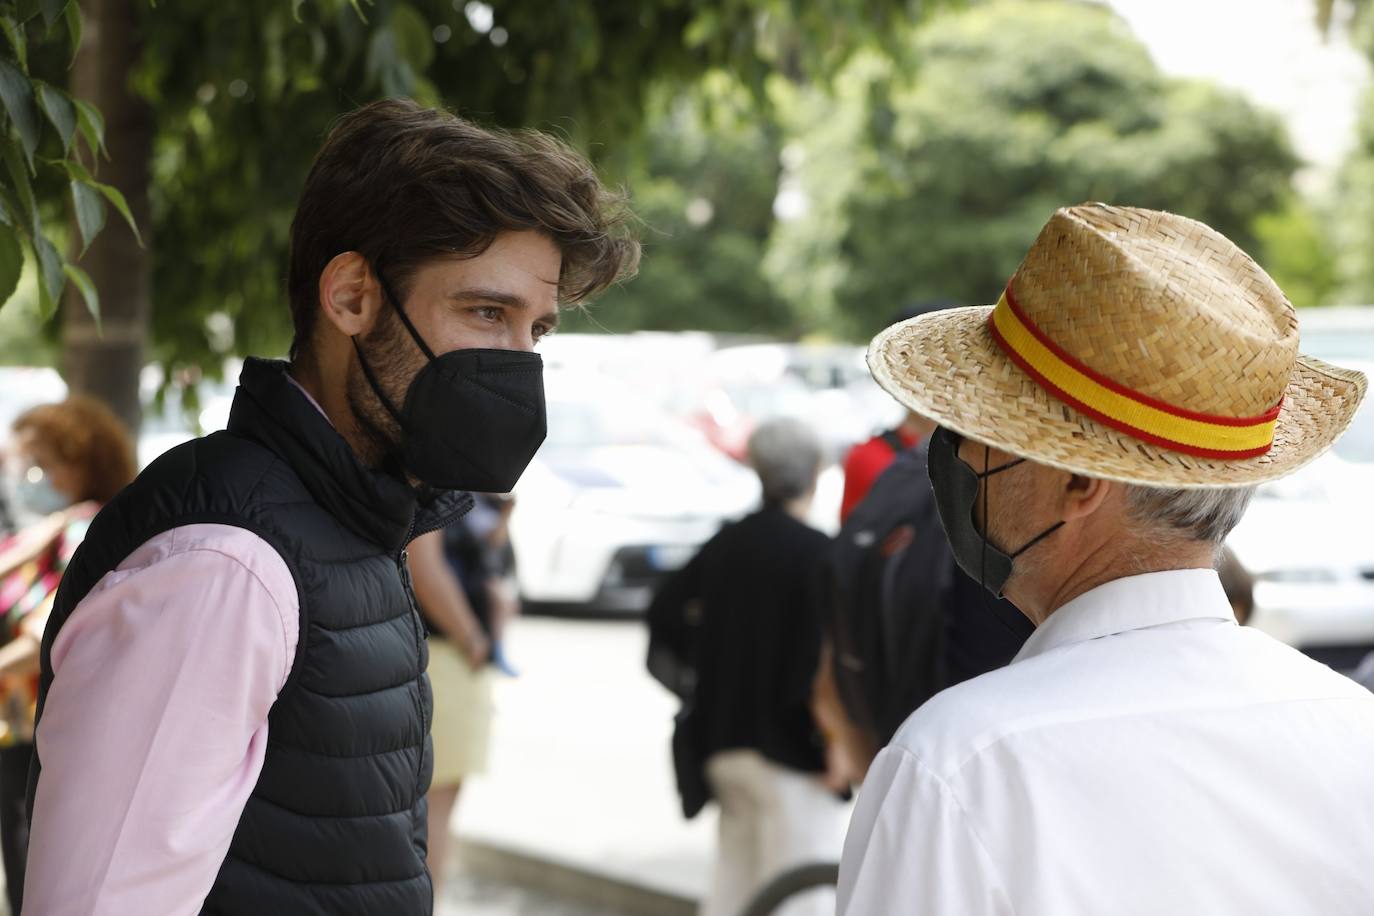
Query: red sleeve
{"points": [[861, 468]]}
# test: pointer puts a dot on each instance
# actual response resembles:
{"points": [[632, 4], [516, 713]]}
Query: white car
{"points": [[1306, 538], [620, 495]]}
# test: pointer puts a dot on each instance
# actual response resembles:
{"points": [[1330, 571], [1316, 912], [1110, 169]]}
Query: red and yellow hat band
{"points": [[1119, 407]]}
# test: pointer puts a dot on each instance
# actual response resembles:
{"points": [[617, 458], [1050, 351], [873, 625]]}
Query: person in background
{"points": [[465, 600], [479, 552], [867, 460], [7, 523], [66, 461], [906, 622], [737, 633], [233, 712]]}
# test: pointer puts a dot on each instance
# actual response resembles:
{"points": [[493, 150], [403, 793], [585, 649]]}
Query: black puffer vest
{"points": [[336, 823]]}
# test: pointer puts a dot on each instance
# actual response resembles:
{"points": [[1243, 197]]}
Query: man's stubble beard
{"points": [[389, 355]]}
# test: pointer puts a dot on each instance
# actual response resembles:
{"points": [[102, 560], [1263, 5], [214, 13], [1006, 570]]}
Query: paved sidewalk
{"points": [[581, 775], [473, 895]]}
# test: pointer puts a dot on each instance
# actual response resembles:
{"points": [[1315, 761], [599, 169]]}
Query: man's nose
{"points": [[522, 338]]}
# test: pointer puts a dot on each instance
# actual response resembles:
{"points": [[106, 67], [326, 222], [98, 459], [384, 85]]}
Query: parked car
{"points": [[1307, 538], [827, 385], [620, 495]]}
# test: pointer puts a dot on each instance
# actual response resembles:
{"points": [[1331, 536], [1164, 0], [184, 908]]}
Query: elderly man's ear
{"points": [[1082, 496]]}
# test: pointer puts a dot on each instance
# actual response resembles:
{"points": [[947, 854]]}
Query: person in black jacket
{"points": [[737, 634], [234, 712], [906, 621]]}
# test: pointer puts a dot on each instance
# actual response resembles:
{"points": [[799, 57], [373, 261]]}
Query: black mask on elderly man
{"points": [[472, 419], [956, 492]]}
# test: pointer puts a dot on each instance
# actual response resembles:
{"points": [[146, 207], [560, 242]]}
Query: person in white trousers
{"points": [[744, 619], [772, 818]]}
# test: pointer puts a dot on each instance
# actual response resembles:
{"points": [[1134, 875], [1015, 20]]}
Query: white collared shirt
{"points": [[1142, 754]]}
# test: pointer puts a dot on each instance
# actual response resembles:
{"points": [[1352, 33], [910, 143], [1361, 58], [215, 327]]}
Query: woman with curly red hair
{"points": [[66, 460]]}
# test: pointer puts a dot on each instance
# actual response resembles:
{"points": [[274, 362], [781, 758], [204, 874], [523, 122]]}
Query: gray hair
{"points": [[1206, 515], [786, 454]]}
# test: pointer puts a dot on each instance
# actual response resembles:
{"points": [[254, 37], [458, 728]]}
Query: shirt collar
{"points": [[1132, 603], [308, 396]]}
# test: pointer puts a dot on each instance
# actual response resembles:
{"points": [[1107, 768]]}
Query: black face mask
{"points": [[472, 419], [956, 493]]}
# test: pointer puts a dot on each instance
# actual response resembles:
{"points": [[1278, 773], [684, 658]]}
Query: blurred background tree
{"points": [[704, 191], [1352, 206], [925, 176], [802, 167], [243, 93], [50, 142]]}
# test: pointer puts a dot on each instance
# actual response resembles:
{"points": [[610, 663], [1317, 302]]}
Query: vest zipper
{"points": [[403, 566]]}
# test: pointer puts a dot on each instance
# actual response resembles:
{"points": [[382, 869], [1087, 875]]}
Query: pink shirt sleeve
{"points": [[155, 726]]}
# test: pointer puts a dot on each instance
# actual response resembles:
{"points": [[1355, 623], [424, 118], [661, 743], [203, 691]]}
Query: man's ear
{"points": [[1082, 496], [350, 297]]}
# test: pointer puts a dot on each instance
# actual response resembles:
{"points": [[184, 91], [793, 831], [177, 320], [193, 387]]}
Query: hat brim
{"points": [[946, 366]]}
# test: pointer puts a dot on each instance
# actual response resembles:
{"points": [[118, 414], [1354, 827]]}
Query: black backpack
{"points": [[907, 623]]}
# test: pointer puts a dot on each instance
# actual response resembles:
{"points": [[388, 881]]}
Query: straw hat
{"points": [[1131, 345]]}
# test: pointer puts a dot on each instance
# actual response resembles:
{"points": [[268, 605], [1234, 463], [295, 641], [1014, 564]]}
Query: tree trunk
{"points": [[106, 362]]}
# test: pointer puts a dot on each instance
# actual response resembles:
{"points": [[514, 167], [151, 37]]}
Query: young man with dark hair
{"points": [[234, 713]]}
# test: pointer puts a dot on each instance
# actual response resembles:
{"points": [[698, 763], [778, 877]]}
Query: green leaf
{"points": [[113, 195], [78, 172], [75, 169], [50, 276], [11, 264], [357, 8], [27, 9], [17, 95], [702, 29], [57, 105], [14, 31], [296, 10], [74, 24], [19, 180], [414, 37], [90, 212], [88, 291], [92, 125], [52, 11]]}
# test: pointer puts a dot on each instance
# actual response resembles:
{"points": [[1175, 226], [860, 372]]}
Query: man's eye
{"points": [[541, 331], [487, 312]]}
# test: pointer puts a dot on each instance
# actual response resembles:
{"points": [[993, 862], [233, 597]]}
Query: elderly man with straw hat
{"points": [[1103, 428]]}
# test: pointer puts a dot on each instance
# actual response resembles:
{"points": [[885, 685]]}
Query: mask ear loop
{"points": [[362, 360], [1039, 537], [376, 387], [988, 606], [405, 319], [390, 297], [983, 556]]}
